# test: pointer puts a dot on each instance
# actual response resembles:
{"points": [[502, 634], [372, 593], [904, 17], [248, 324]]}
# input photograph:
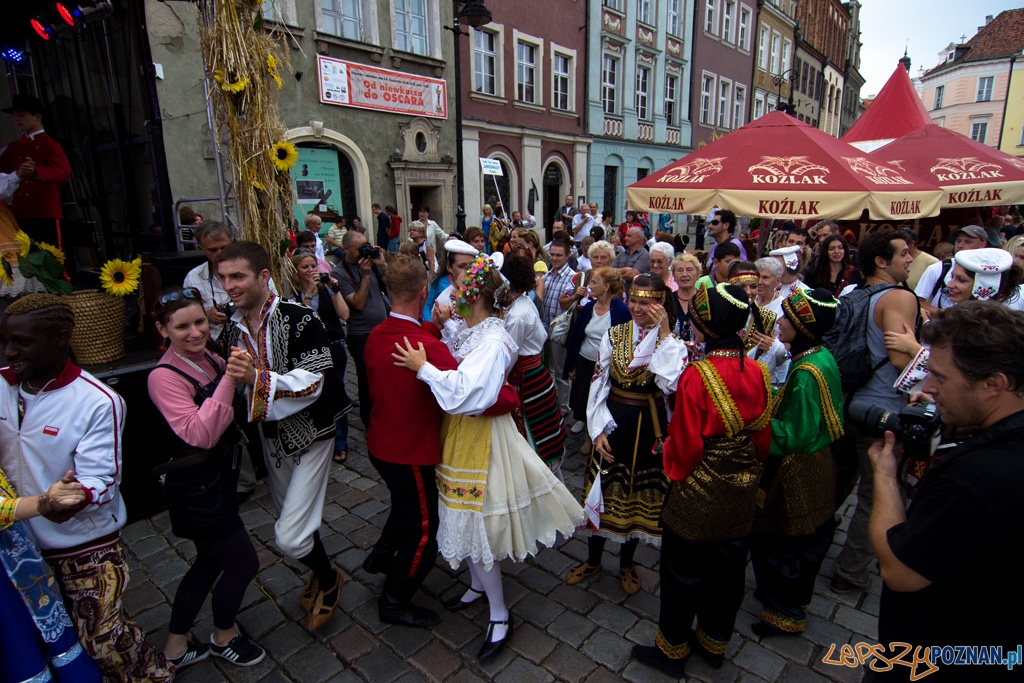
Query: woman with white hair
{"points": [[662, 254], [769, 275]]}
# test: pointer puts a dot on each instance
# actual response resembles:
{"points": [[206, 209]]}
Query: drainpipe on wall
{"points": [[1006, 100]]}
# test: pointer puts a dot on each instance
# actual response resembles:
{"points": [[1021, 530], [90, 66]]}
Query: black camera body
{"points": [[915, 425], [226, 308], [325, 279], [367, 250]]}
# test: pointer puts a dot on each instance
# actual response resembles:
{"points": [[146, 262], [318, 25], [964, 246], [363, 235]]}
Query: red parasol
{"points": [[970, 172], [780, 167]]}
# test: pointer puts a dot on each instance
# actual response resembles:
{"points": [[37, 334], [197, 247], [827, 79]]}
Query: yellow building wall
{"points": [[1013, 124]]}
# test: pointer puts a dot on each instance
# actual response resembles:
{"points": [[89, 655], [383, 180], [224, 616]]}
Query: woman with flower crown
{"points": [[638, 363], [497, 498]]}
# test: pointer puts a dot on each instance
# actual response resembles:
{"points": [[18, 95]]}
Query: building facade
{"points": [[638, 94], [853, 81], [1012, 137], [807, 85], [724, 43], [774, 70], [362, 155], [967, 90], [523, 105], [825, 27]]}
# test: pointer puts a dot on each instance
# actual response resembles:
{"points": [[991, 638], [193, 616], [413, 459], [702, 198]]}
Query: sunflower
{"points": [[52, 251], [272, 64], [5, 277], [120, 277], [284, 155], [236, 86], [254, 181], [24, 243]]}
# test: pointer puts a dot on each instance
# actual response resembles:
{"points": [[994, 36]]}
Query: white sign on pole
{"points": [[490, 166]]}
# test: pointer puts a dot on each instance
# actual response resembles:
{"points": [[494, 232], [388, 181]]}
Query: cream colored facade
{"points": [[968, 98]]}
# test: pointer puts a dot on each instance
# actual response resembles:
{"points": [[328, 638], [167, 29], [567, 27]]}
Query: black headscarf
{"points": [[812, 313], [719, 314]]}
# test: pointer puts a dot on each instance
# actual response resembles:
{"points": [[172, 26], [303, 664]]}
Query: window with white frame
{"points": [[711, 16], [526, 72], [764, 37], [610, 84], [728, 14], [787, 53], [643, 90], [743, 40], [979, 130], [776, 41], [758, 105], [675, 24], [643, 12], [411, 26], [671, 99], [281, 11], [707, 99], [985, 89], [562, 80], [724, 102], [614, 4], [739, 106], [772, 102], [485, 61], [341, 18], [940, 92]]}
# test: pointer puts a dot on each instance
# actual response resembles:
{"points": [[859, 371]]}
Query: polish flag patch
{"points": [[50, 431]]}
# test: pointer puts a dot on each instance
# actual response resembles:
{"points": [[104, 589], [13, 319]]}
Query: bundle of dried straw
{"points": [[243, 62]]}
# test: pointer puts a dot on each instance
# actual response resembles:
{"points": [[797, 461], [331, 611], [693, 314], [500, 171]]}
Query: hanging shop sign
{"points": [[351, 84]]}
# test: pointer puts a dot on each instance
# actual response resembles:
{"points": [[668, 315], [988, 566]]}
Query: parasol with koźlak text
{"points": [[970, 173], [780, 167]]}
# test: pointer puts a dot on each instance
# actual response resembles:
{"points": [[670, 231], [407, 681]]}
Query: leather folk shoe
{"points": [[390, 611], [652, 656]]}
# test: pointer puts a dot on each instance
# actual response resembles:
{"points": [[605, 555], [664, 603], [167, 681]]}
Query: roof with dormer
{"points": [[1001, 38]]}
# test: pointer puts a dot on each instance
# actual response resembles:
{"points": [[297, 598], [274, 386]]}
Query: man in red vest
{"points": [[40, 161]]}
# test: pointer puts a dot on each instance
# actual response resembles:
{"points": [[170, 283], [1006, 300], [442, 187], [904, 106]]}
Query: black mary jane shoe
{"points": [[652, 656], [489, 649], [456, 604]]}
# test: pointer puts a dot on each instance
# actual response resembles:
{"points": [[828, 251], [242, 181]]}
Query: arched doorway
{"points": [[322, 168], [553, 199]]}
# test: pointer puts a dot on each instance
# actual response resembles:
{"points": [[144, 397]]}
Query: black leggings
{"points": [[596, 547], [234, 560]]}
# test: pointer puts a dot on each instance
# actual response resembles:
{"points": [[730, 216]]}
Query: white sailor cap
{"points": [[988, 266], [790, 256], [454, 246]]}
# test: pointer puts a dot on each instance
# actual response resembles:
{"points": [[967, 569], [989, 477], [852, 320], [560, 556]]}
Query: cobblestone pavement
{"points": [[561, 632]]}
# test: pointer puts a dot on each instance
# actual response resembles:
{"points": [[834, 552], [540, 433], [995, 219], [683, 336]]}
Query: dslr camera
{"points": [[226, 308], [367, 250], [915, 425]]}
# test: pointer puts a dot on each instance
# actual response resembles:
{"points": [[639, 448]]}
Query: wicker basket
{"points": [[99, 327]]}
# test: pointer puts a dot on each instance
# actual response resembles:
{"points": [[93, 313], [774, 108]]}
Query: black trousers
{"points": [[705, 580], [410, 533], [785, 568], [43, 230], [357, 347]]}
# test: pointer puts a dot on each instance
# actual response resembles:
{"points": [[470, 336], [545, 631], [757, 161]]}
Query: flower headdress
{"points": [[472, 284]]}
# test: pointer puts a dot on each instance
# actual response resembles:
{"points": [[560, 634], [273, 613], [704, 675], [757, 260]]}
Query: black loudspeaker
{"points": [[174, 265], [141, 447]]}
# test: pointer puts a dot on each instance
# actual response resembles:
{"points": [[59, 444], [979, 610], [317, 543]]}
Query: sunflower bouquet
{"points": [[34, 260]]}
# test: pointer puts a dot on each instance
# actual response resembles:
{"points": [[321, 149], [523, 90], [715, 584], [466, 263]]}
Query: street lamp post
{"points": [[475, 14], [778, 81]]}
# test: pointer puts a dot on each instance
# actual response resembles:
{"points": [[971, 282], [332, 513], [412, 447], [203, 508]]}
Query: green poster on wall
{"points": [[313, 175]]}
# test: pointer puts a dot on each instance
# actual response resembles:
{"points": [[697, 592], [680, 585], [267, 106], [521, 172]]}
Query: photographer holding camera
{"points": [[360, 277], [951, 561]]}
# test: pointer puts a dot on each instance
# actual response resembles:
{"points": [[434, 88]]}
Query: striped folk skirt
{"points": [[541, 421]]}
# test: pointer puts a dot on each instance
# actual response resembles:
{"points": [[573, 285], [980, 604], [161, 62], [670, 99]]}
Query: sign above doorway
{"points": [[351, 84]]}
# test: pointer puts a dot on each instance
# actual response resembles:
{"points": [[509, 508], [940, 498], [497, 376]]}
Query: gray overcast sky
{"points": [[928, 25]]}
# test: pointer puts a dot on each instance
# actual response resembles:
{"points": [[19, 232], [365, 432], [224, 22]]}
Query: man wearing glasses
{"points": [[720, 229]]}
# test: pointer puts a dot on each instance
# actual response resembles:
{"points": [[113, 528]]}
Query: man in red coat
{"points": [[403, 440], [40, 161]]}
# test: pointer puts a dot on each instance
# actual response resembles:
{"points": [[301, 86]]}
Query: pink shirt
{"points": [[200, 427]]}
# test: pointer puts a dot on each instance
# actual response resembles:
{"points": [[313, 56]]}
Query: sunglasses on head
{"points": [[716, 222], [168, 298], [303, 250]]}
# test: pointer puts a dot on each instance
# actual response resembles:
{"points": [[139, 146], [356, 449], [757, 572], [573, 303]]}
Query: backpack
{"points": [[947, 266], [848, 338]]}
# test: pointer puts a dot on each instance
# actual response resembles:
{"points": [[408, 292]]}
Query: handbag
{"points": [[558, 330]]}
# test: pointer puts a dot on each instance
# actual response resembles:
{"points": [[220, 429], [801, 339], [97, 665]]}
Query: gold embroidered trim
{"points": [[721, 397], [621, 337], [715, 647], [671, 651], [828, 409], [759, 424], [780, 620], [646, 294]]}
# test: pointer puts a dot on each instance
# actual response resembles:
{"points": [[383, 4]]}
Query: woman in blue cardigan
{"points": [[593, 319]]}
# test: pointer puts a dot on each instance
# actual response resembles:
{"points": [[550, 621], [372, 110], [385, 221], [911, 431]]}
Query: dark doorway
{"points": [[552, 197]]}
